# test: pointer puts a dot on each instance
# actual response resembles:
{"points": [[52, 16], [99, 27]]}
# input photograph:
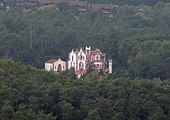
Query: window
{"points": [[51, 67], [81, 65], [92, 57], [81, 57], [59, 68], [97, 66], [97, 57]]}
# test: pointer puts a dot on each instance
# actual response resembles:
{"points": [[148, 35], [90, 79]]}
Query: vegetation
{"points": [[136, 38], [27, 93], [128, 2]]}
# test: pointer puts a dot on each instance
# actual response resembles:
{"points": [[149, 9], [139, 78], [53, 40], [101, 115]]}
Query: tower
{"points": [[88, 49], [72, 60], [110, 65]]}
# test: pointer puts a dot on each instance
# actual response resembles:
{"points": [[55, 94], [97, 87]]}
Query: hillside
{"points": [[135, 34], [27, 93], [128, 2], [137, 38]]}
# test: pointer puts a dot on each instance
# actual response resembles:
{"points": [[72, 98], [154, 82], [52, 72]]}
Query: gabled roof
{"points": [[45, 1], [51, 61], [53, 1], [32, 0], [97, 51], [73, 3], [54, 60], [21, 1], [93, 52], [26, 1], [101, 6], [81, 4]]}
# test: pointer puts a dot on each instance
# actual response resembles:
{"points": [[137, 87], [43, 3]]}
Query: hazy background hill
{"points": [[128, 2]]}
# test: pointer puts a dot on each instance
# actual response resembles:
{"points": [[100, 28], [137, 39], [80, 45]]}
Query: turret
{"points": [[88, 49], [110, 65]]}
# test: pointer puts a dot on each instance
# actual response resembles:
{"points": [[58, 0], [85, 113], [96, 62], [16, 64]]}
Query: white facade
{"points": [[110, 66], [72, 60], [81, 60], [59, 66], [98, 65], [48, 66], [55, 65]]}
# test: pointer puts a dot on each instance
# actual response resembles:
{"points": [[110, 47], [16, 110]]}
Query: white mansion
{"points": [[81, 60]]}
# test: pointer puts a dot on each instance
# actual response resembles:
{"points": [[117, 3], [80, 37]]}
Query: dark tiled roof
{"points": [[82, 3], [51, 61], [21, 1], [53, 1], [45, 1], [27, 1], [101, 6], [33, 0]]}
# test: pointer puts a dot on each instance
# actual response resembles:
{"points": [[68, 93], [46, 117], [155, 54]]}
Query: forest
{"points": [[117, 2], [136, 37], [27, 93], [128, 2]]}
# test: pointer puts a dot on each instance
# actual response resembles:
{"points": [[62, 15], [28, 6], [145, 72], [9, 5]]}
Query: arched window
{"points": [[98, 66], [59, 68], [81, 65], [81, 57], [97, 57], [72, 57]]}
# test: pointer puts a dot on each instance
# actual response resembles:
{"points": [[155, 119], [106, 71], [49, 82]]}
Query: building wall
{"points": [[59, 63], [110, 66], [48, 66], [72, 60], [81, 61]]}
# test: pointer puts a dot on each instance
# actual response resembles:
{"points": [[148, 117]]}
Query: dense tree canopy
{"points": [[27, 93], [127, 2], [136, 38]]}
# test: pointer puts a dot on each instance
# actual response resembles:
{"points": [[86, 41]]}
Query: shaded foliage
{"points": [[136, 38], [28, 93]]}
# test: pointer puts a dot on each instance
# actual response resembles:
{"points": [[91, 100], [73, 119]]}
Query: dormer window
{"points": [[81, 65], [81, 57], [97, 57]]}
